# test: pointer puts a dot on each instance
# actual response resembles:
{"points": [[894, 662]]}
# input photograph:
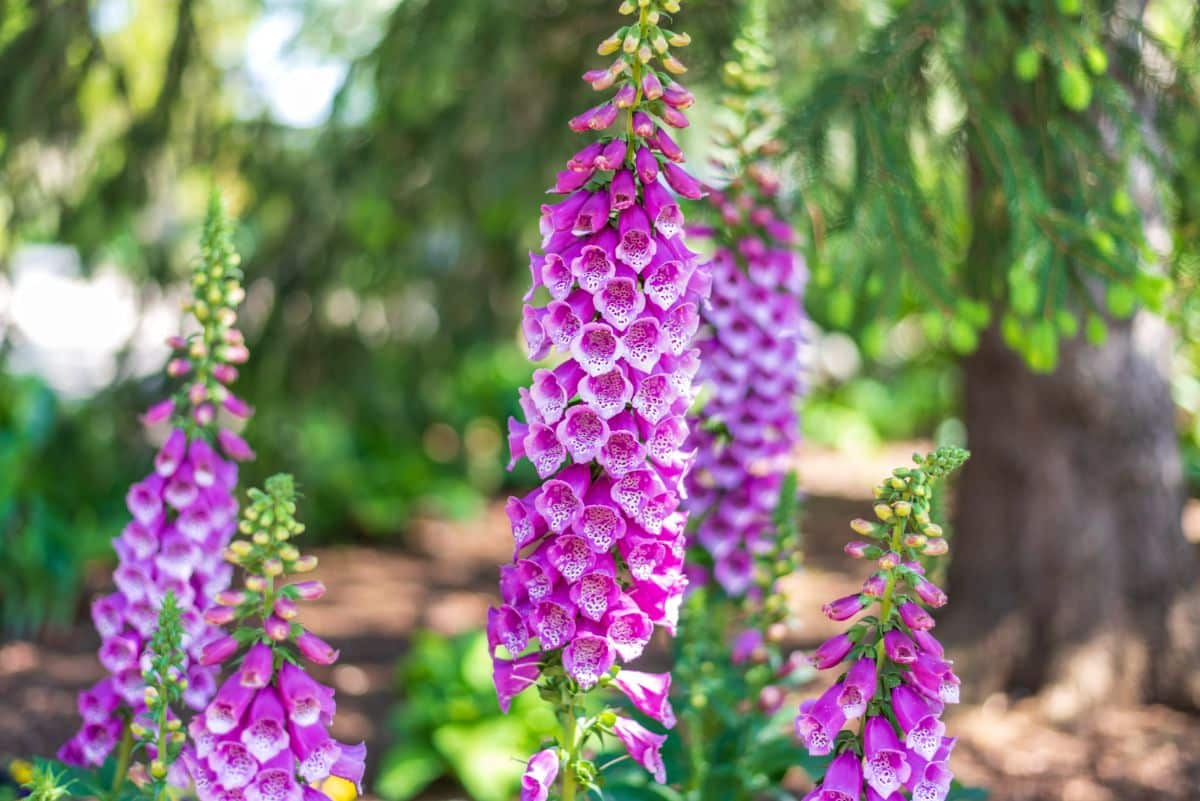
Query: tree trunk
{"points": [[1071, 574]]}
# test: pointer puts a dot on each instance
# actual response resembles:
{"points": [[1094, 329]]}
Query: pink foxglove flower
{"points": [[183, 514], [265, 736], [751, 338], [898, 680], [599, 545]]}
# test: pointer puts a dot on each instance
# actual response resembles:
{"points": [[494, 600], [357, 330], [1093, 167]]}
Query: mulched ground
{"points": [[444, 579]]}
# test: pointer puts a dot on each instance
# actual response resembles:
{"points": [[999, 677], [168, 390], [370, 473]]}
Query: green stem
{"points": [[568, 744], [124, 756], [637, 84], [885, 602]]}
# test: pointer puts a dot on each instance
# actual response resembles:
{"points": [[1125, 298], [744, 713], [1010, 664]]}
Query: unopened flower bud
{"points": [[770, 699], [289, 553], [150, 695], [902, 508], [914, 540], [609, 46], [937, 547], [256, 583], [286, 608], [889, 560], [932, 530], [859, 550], [679, 40], [178, 367], [631, 40], [277, 628], [308, 590], [273, 567], [673, 65], [305, 564], [874, 585], [204, 414], [626, 8], [261, 538], [864, 527], [883, 512], [157, 769], [219, 615], [230, 597], [316, 649]]}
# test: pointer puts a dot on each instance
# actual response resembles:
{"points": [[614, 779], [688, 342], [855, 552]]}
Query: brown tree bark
{"points": [[1071, 573]]}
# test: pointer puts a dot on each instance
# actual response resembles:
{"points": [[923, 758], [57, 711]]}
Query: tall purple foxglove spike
{"points": [[598, 559], [183, 513], [752, 336], [899, 679], [266, 733]]}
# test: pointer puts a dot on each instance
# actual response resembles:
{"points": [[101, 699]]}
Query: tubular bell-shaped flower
{"points": [[265, 736], [598, 547], [898, 679], [183, 513]]}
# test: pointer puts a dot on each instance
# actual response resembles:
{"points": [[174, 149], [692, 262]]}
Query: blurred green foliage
{"points": [[46, 537], [448, 724]]}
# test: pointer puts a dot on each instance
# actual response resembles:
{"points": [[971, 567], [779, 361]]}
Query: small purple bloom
{"points": [[650, 693], [845, 607], [831, 652], [643, 745], [540, 773]]}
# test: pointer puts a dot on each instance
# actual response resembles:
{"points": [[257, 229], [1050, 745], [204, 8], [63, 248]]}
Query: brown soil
{"points": [[444, 579]]}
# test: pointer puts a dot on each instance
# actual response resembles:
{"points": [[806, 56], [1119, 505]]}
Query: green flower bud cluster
{"points": [[157, 732], [904, 505], [646, 38], [207, 357], [217, 277], [752, 111], [268, 524]]}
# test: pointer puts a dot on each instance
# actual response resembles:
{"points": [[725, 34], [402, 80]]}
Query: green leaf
{"points": [[482, 756], [406, 770]]}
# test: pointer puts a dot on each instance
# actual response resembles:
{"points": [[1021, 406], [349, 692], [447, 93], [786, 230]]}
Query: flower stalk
{"points": [[898, 680], [182, 514], [265, 735], [598, 547]]}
